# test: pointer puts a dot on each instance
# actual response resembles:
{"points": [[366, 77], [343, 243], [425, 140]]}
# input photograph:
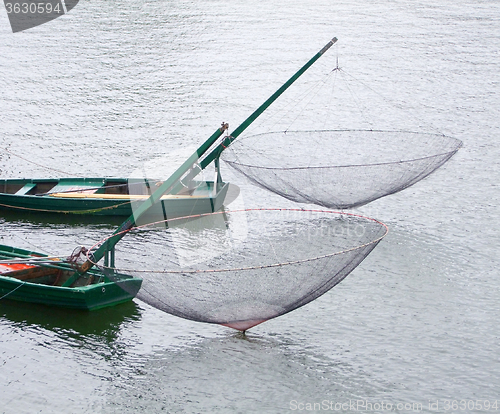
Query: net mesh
{"points": [[339, 169], [244, 267]]}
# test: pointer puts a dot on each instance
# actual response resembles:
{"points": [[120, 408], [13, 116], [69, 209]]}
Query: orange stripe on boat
{"points": [[6, 268]]}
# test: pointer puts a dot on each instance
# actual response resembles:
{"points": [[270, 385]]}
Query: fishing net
{"points": [[241, 268], [340, 168]]}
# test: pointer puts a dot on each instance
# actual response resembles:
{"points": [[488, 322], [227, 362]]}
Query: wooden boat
{"points": [[106, 197], [34, 277]]}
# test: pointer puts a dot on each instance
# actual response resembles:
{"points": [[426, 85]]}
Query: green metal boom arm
{"points": [[188, 164]]}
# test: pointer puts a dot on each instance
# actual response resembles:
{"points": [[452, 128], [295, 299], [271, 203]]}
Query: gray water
{"points": [[112, 85]]}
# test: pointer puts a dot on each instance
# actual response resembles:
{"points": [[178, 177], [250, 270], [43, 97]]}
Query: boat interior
{"points": [[48, 186], [68, 186], [44, 275]]}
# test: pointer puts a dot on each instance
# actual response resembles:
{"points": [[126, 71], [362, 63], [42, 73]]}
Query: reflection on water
{"points": [[77, 324], [46, 352], [49, 219], [240, 373]]}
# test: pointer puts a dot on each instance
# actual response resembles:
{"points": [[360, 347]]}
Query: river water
{"points": [[114, 84]]}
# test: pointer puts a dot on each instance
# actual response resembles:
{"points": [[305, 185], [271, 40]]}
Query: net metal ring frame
{"points": [[89, 254]]}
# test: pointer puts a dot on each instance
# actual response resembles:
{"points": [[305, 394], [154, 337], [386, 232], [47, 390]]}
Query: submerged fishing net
{"points": [[241, 268], [339, 169]]}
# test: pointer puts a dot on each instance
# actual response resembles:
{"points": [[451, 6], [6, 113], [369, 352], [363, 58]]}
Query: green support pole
{"points": [[184, 170], [149, 202]]}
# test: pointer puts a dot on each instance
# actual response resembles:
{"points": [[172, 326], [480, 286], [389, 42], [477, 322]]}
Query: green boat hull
{"points": [[95, 291], [103, 197]]}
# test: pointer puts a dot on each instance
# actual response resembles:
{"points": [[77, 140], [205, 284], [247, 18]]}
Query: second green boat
{"points": [[106, 197]]}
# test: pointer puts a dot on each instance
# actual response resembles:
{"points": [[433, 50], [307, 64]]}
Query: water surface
{"points": [[112, 85]]}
